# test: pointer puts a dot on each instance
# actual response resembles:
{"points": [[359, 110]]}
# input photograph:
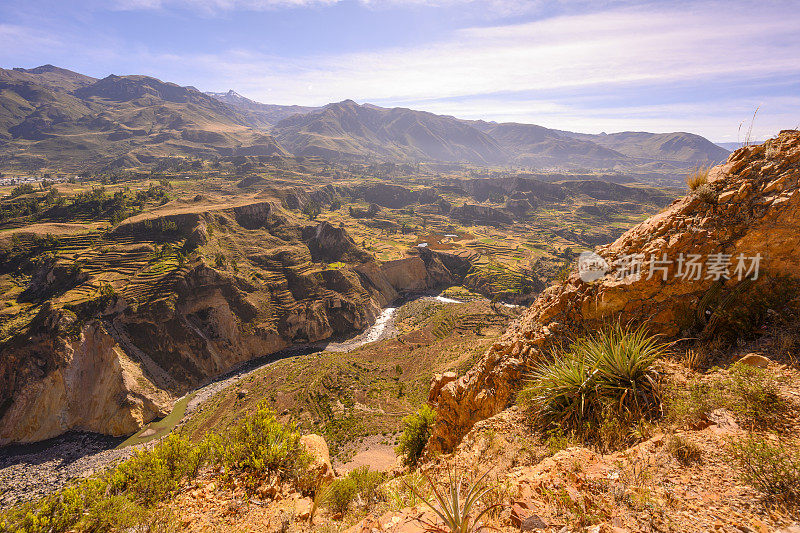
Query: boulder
{"points": [[321, 467], [754, 360]]}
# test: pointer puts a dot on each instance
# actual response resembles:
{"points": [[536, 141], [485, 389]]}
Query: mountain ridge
{"points": [[54, 117]]}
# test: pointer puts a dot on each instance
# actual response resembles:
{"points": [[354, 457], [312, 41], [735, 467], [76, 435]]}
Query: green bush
{"points": [[258, 446], [340, 494], [755, 395], [367, 482], [153, 475], [601, 385], [360, 482], [748, 392], [689, 403], [771, 468], [417, 429]]}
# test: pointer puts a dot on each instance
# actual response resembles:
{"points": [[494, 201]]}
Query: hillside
{"points": [[623, 402], [533, 145], [673, 147], [146, 312], [53, 117], [347, 129], [748, 207]]}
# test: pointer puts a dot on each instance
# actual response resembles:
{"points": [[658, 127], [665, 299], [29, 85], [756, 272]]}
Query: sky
{"points": [[580, 65]]}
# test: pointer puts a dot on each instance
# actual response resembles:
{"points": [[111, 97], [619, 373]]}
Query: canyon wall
{"points": [[111, 362]]}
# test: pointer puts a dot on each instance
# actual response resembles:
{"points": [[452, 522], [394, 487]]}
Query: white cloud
{"points": [[604, 49], [213, 6], [18, 41], [719, 121]]}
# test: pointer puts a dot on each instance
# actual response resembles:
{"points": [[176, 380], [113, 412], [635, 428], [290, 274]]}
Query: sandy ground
{"points": [[373, 452]]}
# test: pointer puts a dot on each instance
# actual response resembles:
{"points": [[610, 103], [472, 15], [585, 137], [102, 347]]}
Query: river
{"points": [[33, 470]]}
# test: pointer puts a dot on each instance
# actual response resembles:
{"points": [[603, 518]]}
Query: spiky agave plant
{"points": [[454, 507], [622, 360], [559, 391], [611, 368]]}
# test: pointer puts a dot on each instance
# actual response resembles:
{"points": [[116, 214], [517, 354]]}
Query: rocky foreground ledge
{"points": [[749, 207]]}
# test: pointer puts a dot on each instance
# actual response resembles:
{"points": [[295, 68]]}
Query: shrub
{"points": [[359, 483], [750, 393], [258, 446], [114, 513], [367, 482], [19, 190], [125, 497], [153, 475], [219, 260], [771, 468], [340, 494], [697, 178], [417, 429], [689, 404], [755, 395], [602, 384], [685, 451]]}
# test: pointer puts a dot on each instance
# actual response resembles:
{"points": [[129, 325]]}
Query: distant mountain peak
{"points": [[344, 103], [45, 68], [230, 94]]}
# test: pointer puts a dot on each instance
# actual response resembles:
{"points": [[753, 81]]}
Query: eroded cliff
{"points": [[128, 321]]}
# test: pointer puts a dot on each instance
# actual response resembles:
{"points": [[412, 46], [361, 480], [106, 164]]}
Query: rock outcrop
{"points": [[746, 216], [329, 243]]}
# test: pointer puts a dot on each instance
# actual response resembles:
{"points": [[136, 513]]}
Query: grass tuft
{"points": [[684, 450], [697, 177]]}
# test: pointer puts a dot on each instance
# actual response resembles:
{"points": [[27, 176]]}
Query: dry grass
{"points": [[697, 177], [695, 359]]}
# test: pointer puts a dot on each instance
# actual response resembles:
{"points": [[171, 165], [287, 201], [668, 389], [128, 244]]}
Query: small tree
{"points": [[417, 430]]}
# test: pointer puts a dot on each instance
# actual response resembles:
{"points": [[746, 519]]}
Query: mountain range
{"points": [[53, 117]]}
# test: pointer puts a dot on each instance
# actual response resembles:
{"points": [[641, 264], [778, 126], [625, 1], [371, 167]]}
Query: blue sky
{"points": [[586, 66]]}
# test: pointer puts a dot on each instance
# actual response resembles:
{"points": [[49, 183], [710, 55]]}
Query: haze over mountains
{"points": [[55, 117]]}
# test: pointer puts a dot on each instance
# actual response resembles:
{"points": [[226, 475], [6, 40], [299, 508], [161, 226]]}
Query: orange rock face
{"points": [[743, 224]]}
